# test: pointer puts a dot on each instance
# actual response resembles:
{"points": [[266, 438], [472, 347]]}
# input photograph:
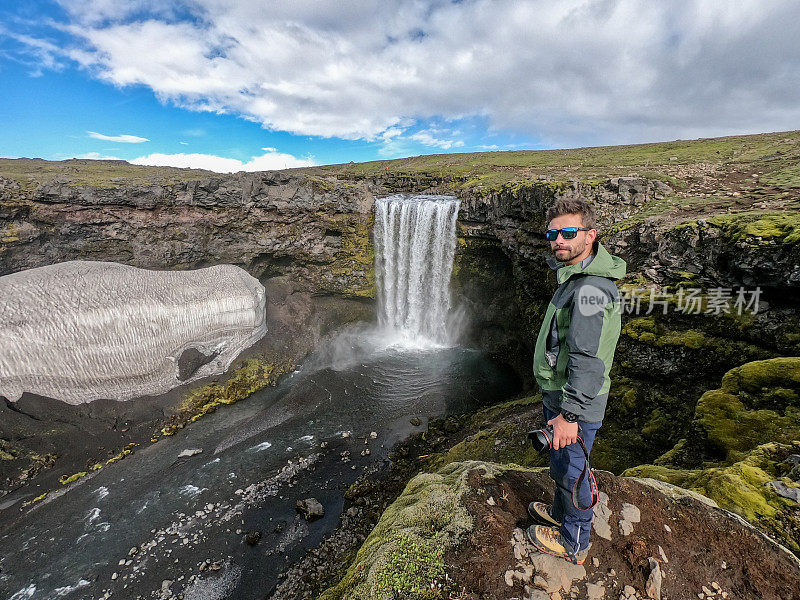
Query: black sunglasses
{"points": [[567, 233]]}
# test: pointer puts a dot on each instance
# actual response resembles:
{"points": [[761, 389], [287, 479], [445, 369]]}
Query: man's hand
{"points": [[564, 432]]}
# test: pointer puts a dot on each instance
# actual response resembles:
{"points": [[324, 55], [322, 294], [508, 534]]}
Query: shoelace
{"points": [[551, 535]]}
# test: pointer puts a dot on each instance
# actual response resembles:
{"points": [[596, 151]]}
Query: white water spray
{"points": [[415, 240]]}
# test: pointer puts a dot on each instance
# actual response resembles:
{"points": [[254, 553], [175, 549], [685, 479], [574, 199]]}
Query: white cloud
{"points": [[123, 139], [270, 161], [427, 138], [577, 71], [184, 143], [97, 156]]}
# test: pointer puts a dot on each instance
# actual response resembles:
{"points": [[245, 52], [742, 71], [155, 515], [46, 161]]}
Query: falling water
{"points": [[415, 240]]}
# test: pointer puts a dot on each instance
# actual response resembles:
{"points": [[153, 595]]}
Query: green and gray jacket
{"points": [[579, 334]]}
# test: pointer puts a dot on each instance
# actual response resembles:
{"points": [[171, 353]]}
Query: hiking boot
{"points": [[542, 513], [550, 541]]}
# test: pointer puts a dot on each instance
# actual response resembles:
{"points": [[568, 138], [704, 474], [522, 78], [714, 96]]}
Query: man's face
{"points": [[566, 250]]}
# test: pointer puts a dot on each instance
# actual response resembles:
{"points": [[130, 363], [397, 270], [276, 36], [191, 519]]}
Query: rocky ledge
{"points": [[458, 532]]}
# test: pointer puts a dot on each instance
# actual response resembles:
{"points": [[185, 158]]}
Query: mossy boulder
{"points": [[740, 434], [742, 488], [403, 557], [783, 227], [247, 378], [758, 402]]}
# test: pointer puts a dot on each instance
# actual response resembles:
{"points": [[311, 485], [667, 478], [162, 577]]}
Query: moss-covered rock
{"points": [[354, 263], [758, 402], [253, 375], [739, 435], [741, 488], [403, 557], [783, 227]]}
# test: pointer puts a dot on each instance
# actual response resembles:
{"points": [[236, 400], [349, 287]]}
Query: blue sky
{"points": [[256, 85]]}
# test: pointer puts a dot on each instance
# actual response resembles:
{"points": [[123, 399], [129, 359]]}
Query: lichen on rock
{"points": [[404, 554]]}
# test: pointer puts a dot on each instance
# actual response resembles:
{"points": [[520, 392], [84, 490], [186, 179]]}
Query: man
{"points": [[571, 362]]}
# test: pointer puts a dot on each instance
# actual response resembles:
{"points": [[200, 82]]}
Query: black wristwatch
{"points": [[569, 417]]}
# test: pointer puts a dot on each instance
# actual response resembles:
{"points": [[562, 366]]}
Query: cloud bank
{"points": [[124, 138], [271, 160], [571, 72]]}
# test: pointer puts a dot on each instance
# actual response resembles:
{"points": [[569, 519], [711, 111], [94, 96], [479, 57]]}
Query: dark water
{"points": [[259, 457]]}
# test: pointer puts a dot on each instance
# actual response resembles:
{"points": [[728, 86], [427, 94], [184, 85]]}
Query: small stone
{"points": [[715, 585], [323, 445], [310, 508], [509, 577], [346, 434], [663, 554], [629, 590], [190, 452], [415, 421], [653, 586], [166, 584], [612, 573], [373, 434], [490, 501], [625, 527], [724, 565], [133, 551], [595, 591], [724, 594], [114, 576], [667, 527], [252, 537], [707, 591], [121, 562], [596, 562]]}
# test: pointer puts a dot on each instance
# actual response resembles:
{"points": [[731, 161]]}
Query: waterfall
{"points": [[415, 240]]}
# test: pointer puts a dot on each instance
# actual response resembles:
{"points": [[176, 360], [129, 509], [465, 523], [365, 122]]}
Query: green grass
{"points": [[690, 167], [30, 173]]}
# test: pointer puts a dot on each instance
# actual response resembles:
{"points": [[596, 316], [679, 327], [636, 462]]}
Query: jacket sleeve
{"points": [[585, 370]]}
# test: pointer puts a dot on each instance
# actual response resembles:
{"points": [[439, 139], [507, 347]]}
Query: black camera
{"points": [[542, 439]]}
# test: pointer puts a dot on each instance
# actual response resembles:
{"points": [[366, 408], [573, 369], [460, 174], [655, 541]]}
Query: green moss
{"points": [[9, 234], [739, 488], [65, 479], [37, 499], [7, 450], [744, 430], [647, 331], [746, 411], [404, 553], [126, 451], [253, 374], [786, 178], [355, 259], [783, 227]]}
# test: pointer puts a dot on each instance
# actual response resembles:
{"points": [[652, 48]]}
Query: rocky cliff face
{"points": [[306, 236]]}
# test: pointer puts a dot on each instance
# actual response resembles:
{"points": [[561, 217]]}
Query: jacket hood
{"points": [[604, 264]]}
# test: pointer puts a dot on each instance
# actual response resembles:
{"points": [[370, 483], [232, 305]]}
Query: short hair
{"points": [[573, 206]]}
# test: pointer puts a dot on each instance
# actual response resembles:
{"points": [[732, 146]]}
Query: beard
{"points": [[571, 253]]}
